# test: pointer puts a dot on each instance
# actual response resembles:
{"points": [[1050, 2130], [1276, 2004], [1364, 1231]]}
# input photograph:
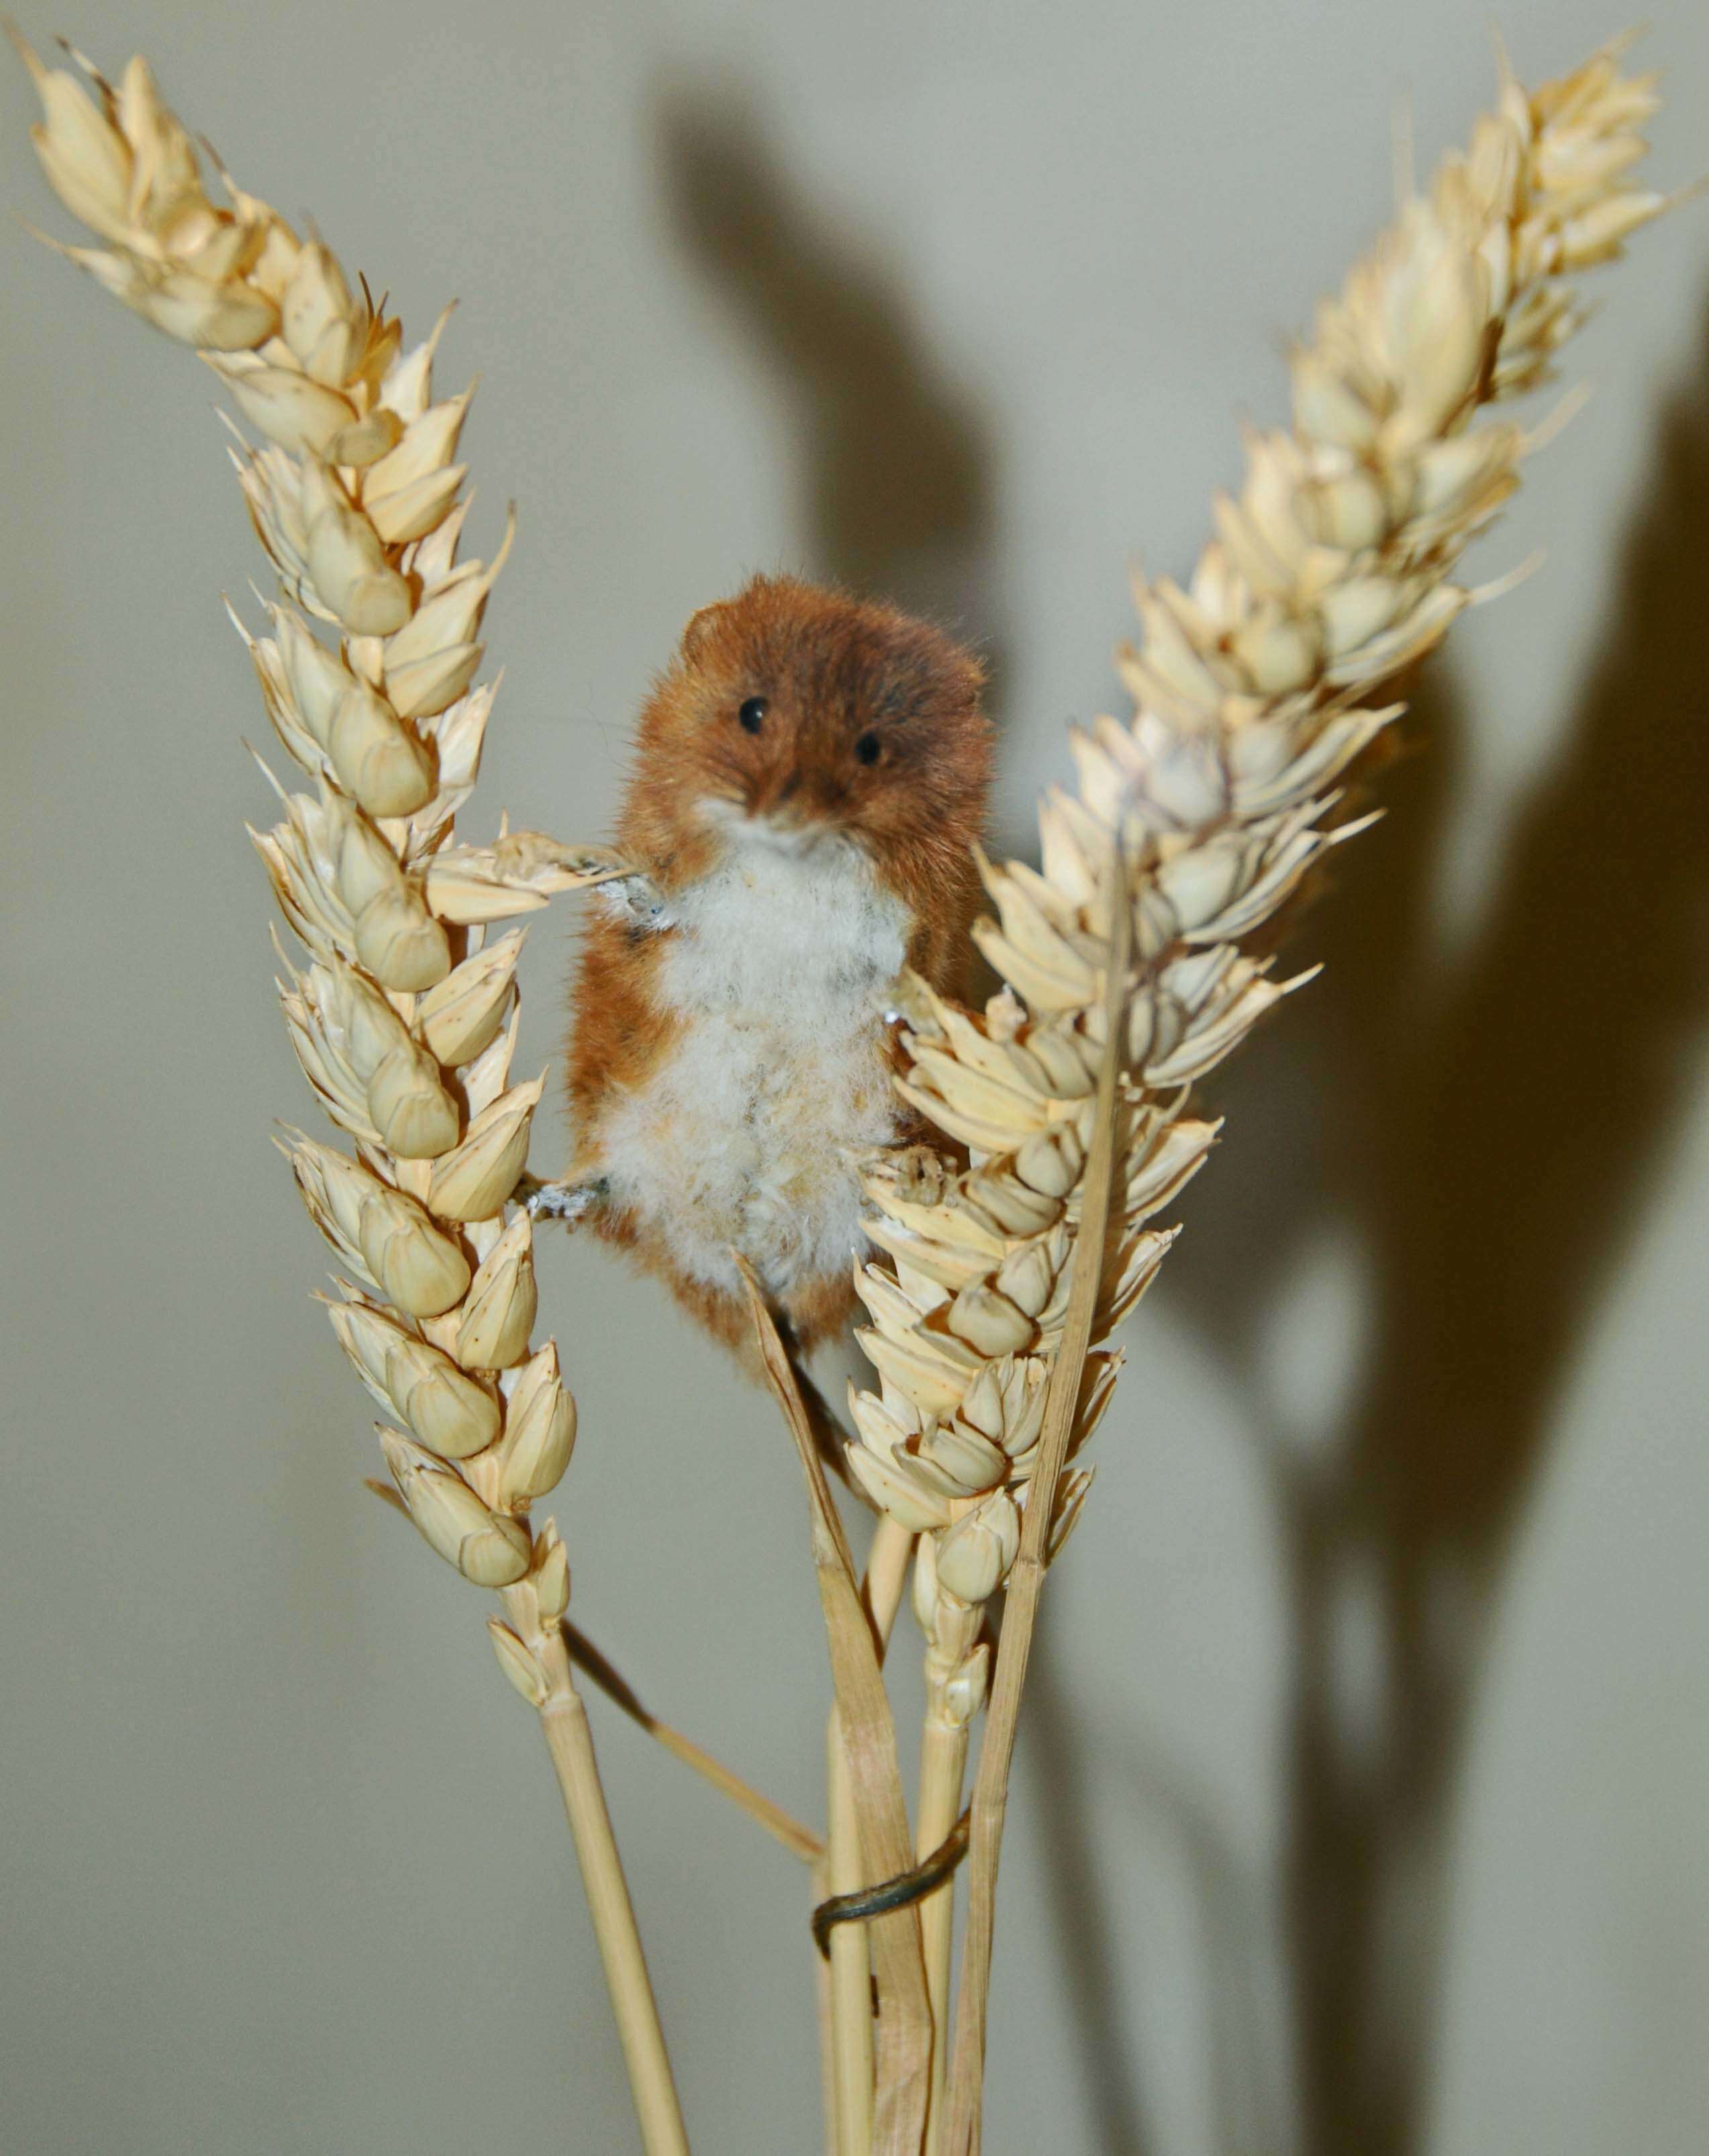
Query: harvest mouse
{"points": [[807, 792]]}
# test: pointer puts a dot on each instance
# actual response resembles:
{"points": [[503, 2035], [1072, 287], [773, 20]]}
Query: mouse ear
{"points": [[702, 627]]}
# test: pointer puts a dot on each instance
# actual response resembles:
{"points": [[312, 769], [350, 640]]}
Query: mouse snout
{"points": [[799, 799]]}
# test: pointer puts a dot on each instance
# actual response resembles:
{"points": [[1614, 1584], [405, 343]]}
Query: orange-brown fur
{"points": [[832, 671]]}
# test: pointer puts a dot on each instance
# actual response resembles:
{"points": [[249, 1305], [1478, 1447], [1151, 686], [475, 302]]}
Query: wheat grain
{"points": [[403, 1020], [1255, 685], [1331, 571]]}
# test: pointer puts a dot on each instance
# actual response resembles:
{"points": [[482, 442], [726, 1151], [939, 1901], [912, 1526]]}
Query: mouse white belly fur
{"points": [[775, 968]]}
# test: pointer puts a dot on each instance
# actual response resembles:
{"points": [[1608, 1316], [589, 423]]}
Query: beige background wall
{"points": [[1364, 1798]]}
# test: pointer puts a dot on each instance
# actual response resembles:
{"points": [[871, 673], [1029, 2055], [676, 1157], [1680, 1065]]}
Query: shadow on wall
{"points": [[1490, 1129], [897, 463]]}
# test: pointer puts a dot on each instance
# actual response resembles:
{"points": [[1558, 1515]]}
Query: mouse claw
{"points": [[914, 1174], [568, 1202], [638, 902]]}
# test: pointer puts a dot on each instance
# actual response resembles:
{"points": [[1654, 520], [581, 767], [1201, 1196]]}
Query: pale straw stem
{"points": [[827, 2028], [886, 1576], [563, 1718], [943, 1762], [800, 1840], [851, 1962]]}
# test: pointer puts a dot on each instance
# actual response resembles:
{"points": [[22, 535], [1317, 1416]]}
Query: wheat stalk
{"points": [[405, 1017], [1189, 827], [853, 1860], [1126, 978], [862, 1746]]}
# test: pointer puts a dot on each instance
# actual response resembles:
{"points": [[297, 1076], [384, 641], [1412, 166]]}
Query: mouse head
{"points": [[792, 715]]}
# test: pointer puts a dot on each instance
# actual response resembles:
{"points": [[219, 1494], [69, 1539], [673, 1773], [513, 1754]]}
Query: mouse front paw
{"points": [[914, 1174], [637, 901], [568, 1202]]}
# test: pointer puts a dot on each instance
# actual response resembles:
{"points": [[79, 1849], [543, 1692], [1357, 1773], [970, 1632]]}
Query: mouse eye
{"points": [[868, 748], [752, 717]]}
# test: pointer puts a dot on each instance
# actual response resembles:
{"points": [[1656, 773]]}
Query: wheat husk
{"points": [[1258, 687], [403, 1017]]}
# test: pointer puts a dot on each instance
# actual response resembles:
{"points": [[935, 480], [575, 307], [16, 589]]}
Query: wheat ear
{"points": [[1331, 572], [405, 1017]]}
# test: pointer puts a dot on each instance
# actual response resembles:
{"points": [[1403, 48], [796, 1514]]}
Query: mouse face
{"points": [[792, 716]]}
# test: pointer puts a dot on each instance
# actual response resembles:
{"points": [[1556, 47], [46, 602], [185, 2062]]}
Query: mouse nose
{"points": [[798, 806], [792, 804]]}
